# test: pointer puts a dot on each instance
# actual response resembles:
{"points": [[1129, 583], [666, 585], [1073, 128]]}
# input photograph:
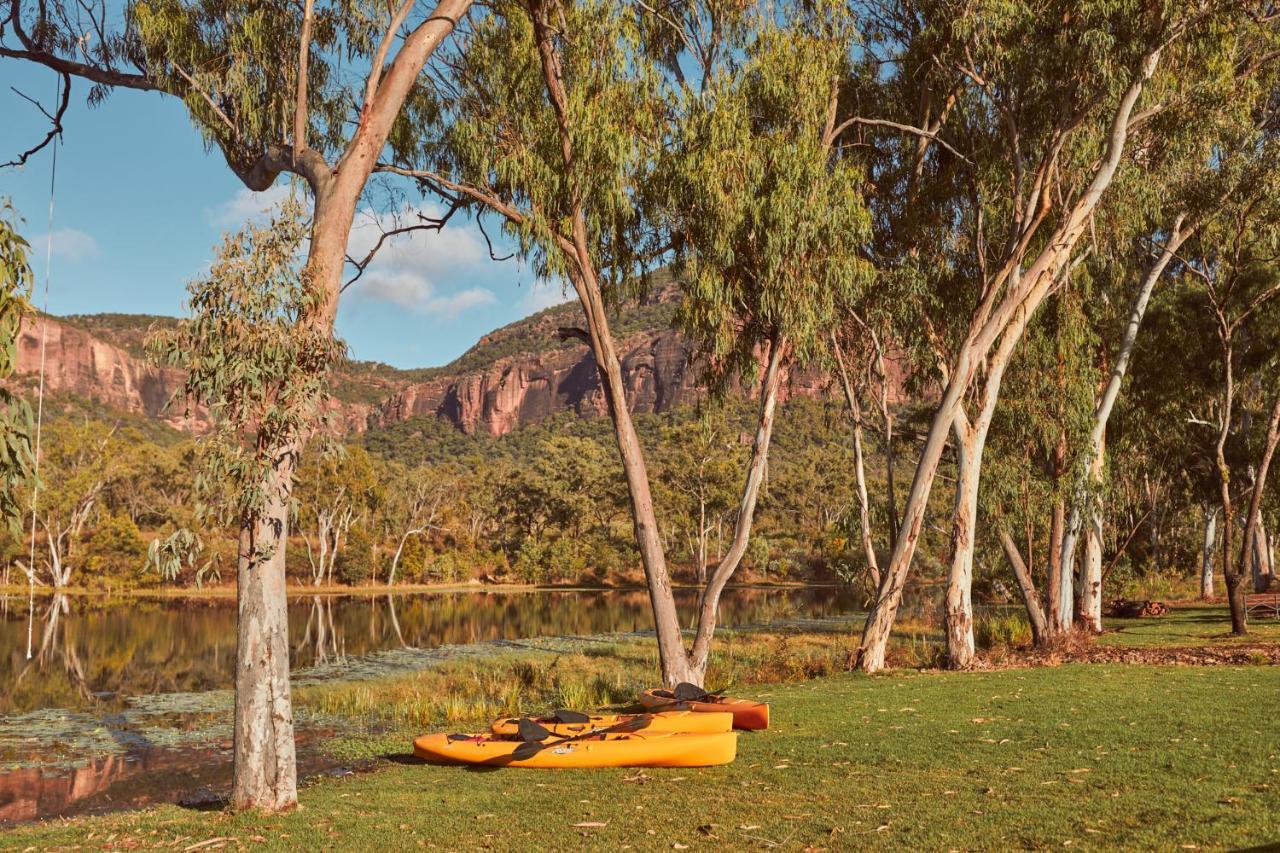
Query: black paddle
{"points": [[686, 692], [537, 739]]}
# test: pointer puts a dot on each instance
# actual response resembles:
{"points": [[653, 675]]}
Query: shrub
{"points": [[757, 556], [1001, 630], [356, 559], [115, 549]]}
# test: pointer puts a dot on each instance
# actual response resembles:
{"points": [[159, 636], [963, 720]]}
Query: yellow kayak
{"points": [[664, 721], [632, 749]]}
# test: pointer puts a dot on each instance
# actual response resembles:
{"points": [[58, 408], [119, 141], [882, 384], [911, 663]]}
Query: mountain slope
{"points": [[516, 375]]}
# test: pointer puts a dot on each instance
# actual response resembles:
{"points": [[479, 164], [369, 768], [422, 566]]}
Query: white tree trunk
{"points": [[1261, 559], [1206, 560], [958, 609], [1091, 571], [1091, 601], [265, 769]]}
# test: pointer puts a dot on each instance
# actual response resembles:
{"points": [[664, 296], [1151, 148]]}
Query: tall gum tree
{"points": [[1230, 280], [555, 120], [1042, 156], [1198, 157], [262, 83]]}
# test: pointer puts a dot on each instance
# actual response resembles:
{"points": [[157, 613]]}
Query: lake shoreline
{"points": [[229, 590]]}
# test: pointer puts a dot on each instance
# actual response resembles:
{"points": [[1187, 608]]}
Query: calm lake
{"points": [[90, 650], [125, 702]]}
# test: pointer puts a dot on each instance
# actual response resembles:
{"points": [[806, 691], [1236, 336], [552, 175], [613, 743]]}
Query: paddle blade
{"points": [[529, 731], [527, 750], [687, 692], [561, 715]]}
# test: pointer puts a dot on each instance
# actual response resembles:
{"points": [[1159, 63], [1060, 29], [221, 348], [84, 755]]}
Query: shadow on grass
{"points": [[408, 759]]}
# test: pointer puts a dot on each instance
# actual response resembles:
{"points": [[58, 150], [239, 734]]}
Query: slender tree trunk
{"points": [[1253, 518], [265, 769], [958, 610], [1027, 589], [859, 469], [1091, 571], [1263, 570], [709, 605], [1091, 601], [971, 442], [1206, 561], [672, 659]]}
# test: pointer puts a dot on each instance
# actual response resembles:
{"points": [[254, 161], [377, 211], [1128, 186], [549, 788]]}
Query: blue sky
{"points": [[140, 205]]}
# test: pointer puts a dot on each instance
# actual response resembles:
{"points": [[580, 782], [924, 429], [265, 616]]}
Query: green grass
{"points": [[1187, 626], [1099, 756]]}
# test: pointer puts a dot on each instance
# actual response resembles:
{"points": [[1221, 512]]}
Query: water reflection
{"points": [[142, 777], [96, 652]]}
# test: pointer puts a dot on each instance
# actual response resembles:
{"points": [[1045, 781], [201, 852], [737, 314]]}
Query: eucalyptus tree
{"points": [[333, 492], [1231, 276], [269, 86], [259, 368], [16, 458], [557, 118], [697, 465], [1204, 152], [1026, 164]]}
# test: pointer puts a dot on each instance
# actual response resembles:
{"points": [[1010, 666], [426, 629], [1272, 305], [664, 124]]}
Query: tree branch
{"points": [[55, 121]]}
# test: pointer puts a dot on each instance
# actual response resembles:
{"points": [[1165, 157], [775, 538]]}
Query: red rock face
{"points": [[656, 370], [521, 389], [78, 363]]}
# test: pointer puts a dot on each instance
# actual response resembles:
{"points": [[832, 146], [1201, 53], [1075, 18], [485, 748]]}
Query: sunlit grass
{"points": [[1093, 756]]}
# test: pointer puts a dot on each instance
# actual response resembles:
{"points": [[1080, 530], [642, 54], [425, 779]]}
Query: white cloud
{"points": [[409, 269], [246, 205], [69, 244], [543, 294]]}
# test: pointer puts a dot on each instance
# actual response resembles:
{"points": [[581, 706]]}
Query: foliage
{"points": [[115, 547], [767, 221], [252, 361], [17, 462]]}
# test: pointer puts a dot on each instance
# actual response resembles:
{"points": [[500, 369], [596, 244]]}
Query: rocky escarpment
{"points": [[77, 362], [657, 370], [519, 374]]}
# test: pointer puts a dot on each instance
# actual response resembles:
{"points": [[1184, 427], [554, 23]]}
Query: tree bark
{"points": [[1091, 571], [1253, 518], [1262, 568], [958, 609], [1206, 561], [859, 469], [710, 601], [1027, 589], [971, 442], [265, 770]]}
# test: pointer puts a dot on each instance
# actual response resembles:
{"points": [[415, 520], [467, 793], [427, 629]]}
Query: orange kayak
{"points": [[633, 749], [746, 713], [662, 721]]}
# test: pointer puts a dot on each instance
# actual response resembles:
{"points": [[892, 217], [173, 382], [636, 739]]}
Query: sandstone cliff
{"points": [[516, 375], [77, 362]]}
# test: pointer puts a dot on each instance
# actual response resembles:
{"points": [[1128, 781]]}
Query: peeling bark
{"points": [[265, 769], [1206, 560]]}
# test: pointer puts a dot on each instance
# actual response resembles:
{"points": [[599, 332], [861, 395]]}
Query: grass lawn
{"points": [[1091, 755], [1187, 626]]}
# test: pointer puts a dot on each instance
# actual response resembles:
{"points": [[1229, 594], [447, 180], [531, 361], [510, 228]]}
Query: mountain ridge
{"points": [[517, 374]]}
